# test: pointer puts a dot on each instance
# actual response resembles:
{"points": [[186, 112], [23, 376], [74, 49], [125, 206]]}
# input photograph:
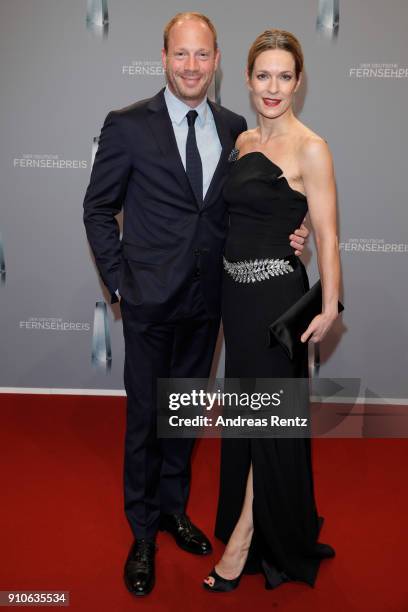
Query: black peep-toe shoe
{"points": [[221, 585]]}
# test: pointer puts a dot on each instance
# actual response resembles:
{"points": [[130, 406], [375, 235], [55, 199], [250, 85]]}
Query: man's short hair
{"points": [[184, 16]]}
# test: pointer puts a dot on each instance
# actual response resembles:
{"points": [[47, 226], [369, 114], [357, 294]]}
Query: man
{"points": [[164, 160]]}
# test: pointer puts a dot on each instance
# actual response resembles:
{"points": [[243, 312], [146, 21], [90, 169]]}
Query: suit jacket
{"points": [[168, 238]]}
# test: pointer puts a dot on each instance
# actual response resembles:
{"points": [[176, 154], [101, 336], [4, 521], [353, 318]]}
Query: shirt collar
{"points": [[178, 109]]}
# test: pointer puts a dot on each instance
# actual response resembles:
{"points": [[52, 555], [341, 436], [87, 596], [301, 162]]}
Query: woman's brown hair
{"points": [[276, 39]]}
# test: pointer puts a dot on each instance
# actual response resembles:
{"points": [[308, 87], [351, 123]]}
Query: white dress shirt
{"points": [[208, 143]]}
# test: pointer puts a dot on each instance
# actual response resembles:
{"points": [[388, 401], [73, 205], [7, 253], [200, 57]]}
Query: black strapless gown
{"points": [[264, 210]]}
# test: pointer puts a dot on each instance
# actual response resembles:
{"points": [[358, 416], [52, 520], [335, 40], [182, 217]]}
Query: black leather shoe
{"points": [[187, 535], [324, 551], [139, 568]]}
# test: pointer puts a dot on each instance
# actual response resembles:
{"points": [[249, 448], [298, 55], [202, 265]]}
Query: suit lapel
{"points": [[227, 143], [161, 126]]}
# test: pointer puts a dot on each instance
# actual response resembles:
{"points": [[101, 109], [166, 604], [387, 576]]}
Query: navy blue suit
{"points": [[168, 271]]}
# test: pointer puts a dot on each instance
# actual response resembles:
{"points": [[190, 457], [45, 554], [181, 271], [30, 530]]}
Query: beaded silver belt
{"points": [[252, 271]]}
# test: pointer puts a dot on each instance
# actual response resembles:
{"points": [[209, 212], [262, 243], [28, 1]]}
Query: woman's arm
{"points": [[318, 178]]}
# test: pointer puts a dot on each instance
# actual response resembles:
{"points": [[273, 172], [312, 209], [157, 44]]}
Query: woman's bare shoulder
{"points": [[311, 146], [310, 141], [314, 152], [245, 138]]}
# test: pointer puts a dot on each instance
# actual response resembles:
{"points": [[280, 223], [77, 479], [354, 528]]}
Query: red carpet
{"points": [[63, 527]]}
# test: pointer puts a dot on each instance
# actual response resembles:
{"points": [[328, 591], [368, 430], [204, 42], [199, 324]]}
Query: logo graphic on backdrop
{"points": [[54, 324], [372, 245], [155, 68], [378, 71], [214, 91], [314, 359], [97, 18], [101, 344], [2, 263], [48, 161], [328, 18], [95, 145], [143, 68], [97, 12]]}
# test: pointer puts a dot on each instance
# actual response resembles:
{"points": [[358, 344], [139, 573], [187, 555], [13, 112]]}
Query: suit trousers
{"points": [[157, 471]]}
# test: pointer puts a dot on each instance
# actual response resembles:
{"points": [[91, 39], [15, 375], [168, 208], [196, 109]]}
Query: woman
{"points": [[267, 514]]}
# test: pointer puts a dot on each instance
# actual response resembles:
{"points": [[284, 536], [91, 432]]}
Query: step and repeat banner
{"points": [[66, 63]]}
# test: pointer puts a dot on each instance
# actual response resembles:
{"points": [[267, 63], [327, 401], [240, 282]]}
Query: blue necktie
{"points": [[194, 168]]}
